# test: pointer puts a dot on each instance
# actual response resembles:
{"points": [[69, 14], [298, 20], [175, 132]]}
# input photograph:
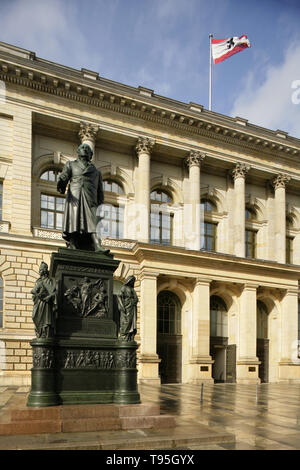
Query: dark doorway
{"points": [[169, 338], [263, 342], [222, 353], [262, 353]]}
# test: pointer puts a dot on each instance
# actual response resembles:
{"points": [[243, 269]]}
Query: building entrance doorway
{"points": [[263, 342], [222, 353], [169, 338]]}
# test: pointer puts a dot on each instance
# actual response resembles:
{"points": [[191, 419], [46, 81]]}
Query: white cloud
{"points": [[270, 103], [52, 29]]}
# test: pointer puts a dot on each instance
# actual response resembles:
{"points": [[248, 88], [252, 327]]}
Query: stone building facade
{"points": [[204, 209]]}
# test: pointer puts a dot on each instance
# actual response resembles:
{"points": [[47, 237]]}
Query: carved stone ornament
{"points": [[194, 158], [87, 132], [98, 359], [280, 181], [144, 145], [43, 358], [240, 170], [88, 298]]}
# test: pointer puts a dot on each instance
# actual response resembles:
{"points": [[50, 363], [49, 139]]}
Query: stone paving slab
{"points": [[181, 436], [231, 413]]}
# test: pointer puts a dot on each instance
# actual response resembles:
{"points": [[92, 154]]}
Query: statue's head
{"points": [[84, 150], [130, 281], [43, 268]]}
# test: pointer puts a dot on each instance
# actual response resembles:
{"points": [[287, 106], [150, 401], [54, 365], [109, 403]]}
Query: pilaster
{"points": [[148, 360], [200, 363], [21, 189], [247, 363]]}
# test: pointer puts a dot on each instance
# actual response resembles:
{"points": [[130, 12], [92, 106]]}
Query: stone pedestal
{"points": [[84, 362]]}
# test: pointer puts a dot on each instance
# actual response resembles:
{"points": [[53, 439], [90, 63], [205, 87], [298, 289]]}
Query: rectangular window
{"points": [[218, 323], [161, 226], [209, 231], [250, 242], [52, 210], [289, 250], [112, 224]]}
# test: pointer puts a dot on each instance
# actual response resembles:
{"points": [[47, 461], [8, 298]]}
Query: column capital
{"points": [[199, 281], [250, 285], [240, 170], [152, 275], [194, 158], [144, 145], [88, 132], [280, 181]]}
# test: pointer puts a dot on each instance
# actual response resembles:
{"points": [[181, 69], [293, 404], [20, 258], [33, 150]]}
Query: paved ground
{"points": [[263, 418]]}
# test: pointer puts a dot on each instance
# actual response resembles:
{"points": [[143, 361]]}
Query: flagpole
{"points": [[210, 72]]}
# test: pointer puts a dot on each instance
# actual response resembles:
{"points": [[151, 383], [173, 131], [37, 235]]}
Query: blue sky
{"points": [[164, 45]]}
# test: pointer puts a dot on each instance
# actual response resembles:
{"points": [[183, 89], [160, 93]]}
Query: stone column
{"points": [[279, 184], [239, 174], [87, 134], [200, 362], [193, 206], [148, 360], [247, 361], [143, 149]]}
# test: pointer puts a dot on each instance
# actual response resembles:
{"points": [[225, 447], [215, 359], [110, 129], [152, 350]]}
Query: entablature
{"points": [[23, 68]]}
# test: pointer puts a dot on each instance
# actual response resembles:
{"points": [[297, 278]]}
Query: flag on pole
{"points": [[224, 48]]}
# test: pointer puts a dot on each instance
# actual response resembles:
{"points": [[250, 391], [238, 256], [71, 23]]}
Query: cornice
{"points": [[23, 68]]}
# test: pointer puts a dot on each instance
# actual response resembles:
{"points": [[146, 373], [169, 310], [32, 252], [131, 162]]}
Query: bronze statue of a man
{"points": [[84, 196], [44, 304]]}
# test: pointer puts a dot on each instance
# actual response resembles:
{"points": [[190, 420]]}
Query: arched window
{"points": [[1, 303], [262, 320], [168, 313], [111, 186], [208, 205], [51, 203], [160, 196], [112, 211], [161, 217], [250, 213], [50, 175], [250, 232], [218, 317], [208, 226]]}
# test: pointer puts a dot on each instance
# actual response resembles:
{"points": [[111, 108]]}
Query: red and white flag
{"points": [[224, 48]]}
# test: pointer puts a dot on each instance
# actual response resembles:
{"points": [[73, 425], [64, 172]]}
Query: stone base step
{"points": [[83, 418], [180, 437]]}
